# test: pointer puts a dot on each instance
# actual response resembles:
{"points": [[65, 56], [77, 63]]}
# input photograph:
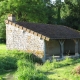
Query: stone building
{"points": [[43, 40]]}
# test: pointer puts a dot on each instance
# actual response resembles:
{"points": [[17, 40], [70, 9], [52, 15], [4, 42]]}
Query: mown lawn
{"points": [[15, 65]]}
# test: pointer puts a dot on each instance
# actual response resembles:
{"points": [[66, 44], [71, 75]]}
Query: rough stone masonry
{"points": [[19, 39]]}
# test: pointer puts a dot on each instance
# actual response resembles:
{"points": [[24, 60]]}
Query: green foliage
{"points": [[41, 11], [25, 10], [2, 27], [9, 59], [27, 71], [55, 70], [7, 63], [21, 61], [2, 78], [56, 64], [73, 17]]}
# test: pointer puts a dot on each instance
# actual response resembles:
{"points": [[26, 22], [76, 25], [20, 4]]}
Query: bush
{"points": [[23, 62], [2, 78], [7, 63], [26, 71], [9, 59], [20, 55]]}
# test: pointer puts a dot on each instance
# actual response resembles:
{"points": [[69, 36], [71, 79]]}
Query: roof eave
{"points": [[28, 30]]}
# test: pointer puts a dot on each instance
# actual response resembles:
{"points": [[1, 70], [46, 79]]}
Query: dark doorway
{"points": [[69, 47]]}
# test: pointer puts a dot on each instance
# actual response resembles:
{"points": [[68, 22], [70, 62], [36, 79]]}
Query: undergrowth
{"points": [[26, 69], [22, 62], [58, 64]]}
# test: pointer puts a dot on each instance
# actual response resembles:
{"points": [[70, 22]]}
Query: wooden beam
{"points": [[39, 35], [17, 25], [6, 21], [24, 29], [13, 24], [10, 22], [76, 41], [61, 48], [35, 33], [47, 38], [32, 32], [43, 37], [28, 30], [20, 27]]}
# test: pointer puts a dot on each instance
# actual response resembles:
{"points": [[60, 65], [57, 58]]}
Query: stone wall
{"points": [[18, 39], [22, 40]]}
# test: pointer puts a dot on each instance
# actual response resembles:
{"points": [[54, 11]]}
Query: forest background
{"points": [[41, 11]]}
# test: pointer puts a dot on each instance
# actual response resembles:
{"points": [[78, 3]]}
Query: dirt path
{"points": [[9, 76]]}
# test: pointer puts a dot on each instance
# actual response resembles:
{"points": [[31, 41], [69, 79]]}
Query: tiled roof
{"points": [[50, 31]]}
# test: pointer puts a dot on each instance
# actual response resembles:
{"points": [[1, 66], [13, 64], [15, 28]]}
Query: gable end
{"points": [[28, 30]]}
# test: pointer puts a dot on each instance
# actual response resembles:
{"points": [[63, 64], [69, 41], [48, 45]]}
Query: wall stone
{"points": [[21, 40]]}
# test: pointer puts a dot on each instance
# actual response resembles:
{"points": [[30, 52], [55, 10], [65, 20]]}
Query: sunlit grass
{"points": [[3, 48], [64, 73], [61, 70]]}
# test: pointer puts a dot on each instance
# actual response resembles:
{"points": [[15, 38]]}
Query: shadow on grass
{"points": [[7, 64]]}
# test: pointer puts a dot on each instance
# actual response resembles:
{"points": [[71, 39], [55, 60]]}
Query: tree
{"points": [[25, 10], [58, 4], [73, 18]]}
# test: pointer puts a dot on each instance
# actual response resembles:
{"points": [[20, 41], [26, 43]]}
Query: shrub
{"points": [[2, 78], [9, 59], [26, 71], [7, 63], [21, 54]]}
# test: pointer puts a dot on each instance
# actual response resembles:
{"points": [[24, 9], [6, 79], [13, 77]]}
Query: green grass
{"points": [[20, 61], [62, 70], [17, 65], [64, 73], [2, 47]]}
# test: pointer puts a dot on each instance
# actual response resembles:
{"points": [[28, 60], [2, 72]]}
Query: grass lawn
{"points": [[2, 47], [64, 73], [62, 70]]}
